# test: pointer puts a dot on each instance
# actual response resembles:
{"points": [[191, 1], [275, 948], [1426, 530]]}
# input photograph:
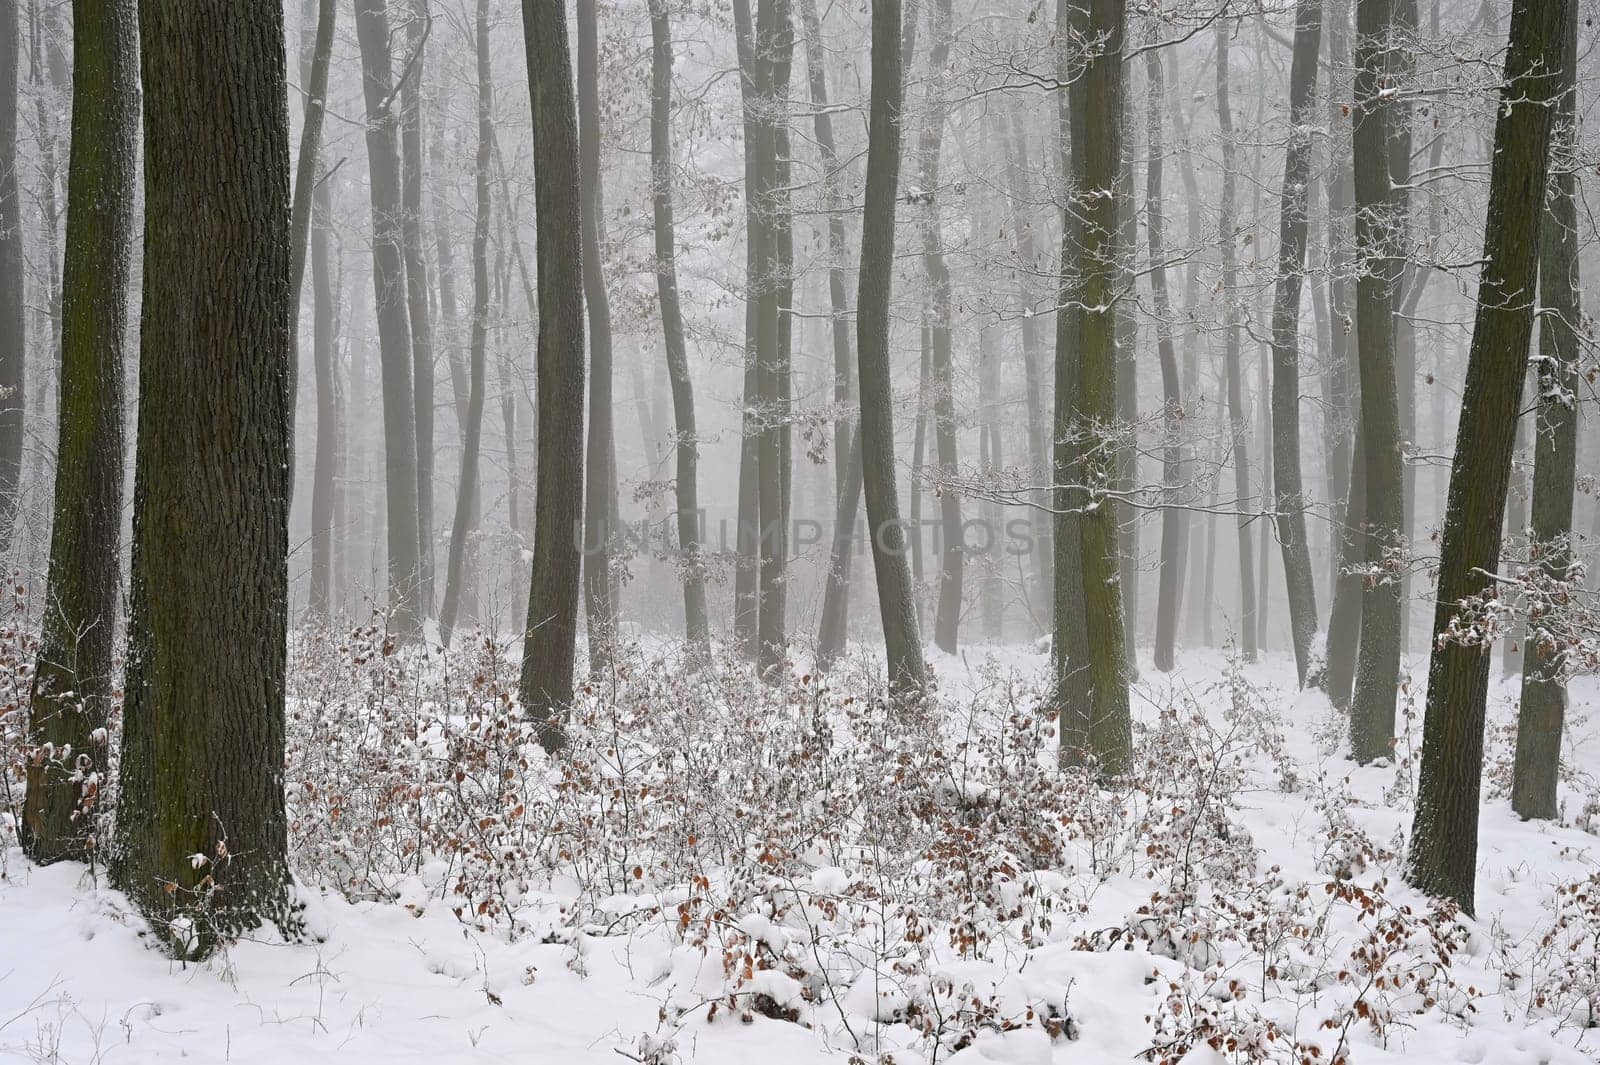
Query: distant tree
{"points": [[394, 324], [13, 311], [1443, 854], [75, 676], [550, 636], [697, 626], [201, 830]]}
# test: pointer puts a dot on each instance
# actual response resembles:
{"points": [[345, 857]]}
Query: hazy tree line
{"points": [[1035, 300]]}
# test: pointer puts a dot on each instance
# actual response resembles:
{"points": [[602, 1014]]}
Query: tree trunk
{"points": [[1096, 150], [697, 626], [598, 501], [1173, 524], [200, 818], [552, 628], [13, 310], [1291, 499], [464, 525], [1127, 412], [902, 643], [75, 676], [1443, 855], [313, 208], [394, 328], [747, 562], [1379, 210], [1238, 428], [416, 269], [1544, 694]]}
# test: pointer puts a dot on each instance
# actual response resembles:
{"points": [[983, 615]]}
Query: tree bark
{"points": [[75, 675], [416, 272], [552, 628], [1444, 835], [1379, 210], [202, 835], [394, 328], [1291, 499], [1544, 694], [1096, 149]]}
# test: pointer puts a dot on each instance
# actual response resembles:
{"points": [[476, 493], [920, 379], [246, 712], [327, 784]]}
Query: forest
{"points": [[888, 532]]}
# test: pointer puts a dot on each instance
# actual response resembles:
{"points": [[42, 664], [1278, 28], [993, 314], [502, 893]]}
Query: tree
{"points": [[1238, 428], [13, 316], [1289, 506], [902, 643], [202, 835], [1169, 589], [467, 489], [1380, 208], [416, 278], [1096, 149], [1544, 696], [394, 328], [552, 627], [696, 622], [1443, 854], [75, 677], [312, 207], [599, 491]]}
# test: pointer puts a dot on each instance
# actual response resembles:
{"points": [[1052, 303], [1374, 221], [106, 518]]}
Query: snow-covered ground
{"points": [[408, 980]]}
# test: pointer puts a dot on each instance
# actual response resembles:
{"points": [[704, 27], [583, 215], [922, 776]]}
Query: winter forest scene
{"points": [[875, 532]]}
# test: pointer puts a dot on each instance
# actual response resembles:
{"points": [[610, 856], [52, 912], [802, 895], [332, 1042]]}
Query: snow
{"points": [[387, 982]]}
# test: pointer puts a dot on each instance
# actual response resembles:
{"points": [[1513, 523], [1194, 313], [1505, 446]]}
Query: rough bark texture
{"points": [[697, 626], [1238, 425], [1544, 695], [200, 818], [1443, 853], [1379, 206], [552, 626], [1096, 150], [467, 488], [902, 643], [75, 675], [1290, 503], [394, 328]]}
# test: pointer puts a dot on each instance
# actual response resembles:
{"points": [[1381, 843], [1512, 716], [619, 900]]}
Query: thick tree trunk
{"points": [[1127, 411], [1544, 694], [394, 328], [1174, 530], [1291, 499], [464, 525], [697, 626], [1096, 150], [1443, 854], [902, 643], [75, 676], [599, 503], [552, 626], [1379, 210], [202, 835], [1238, 426]]}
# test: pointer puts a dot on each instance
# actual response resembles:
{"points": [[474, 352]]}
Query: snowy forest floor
{"points": [[801, 881]]}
